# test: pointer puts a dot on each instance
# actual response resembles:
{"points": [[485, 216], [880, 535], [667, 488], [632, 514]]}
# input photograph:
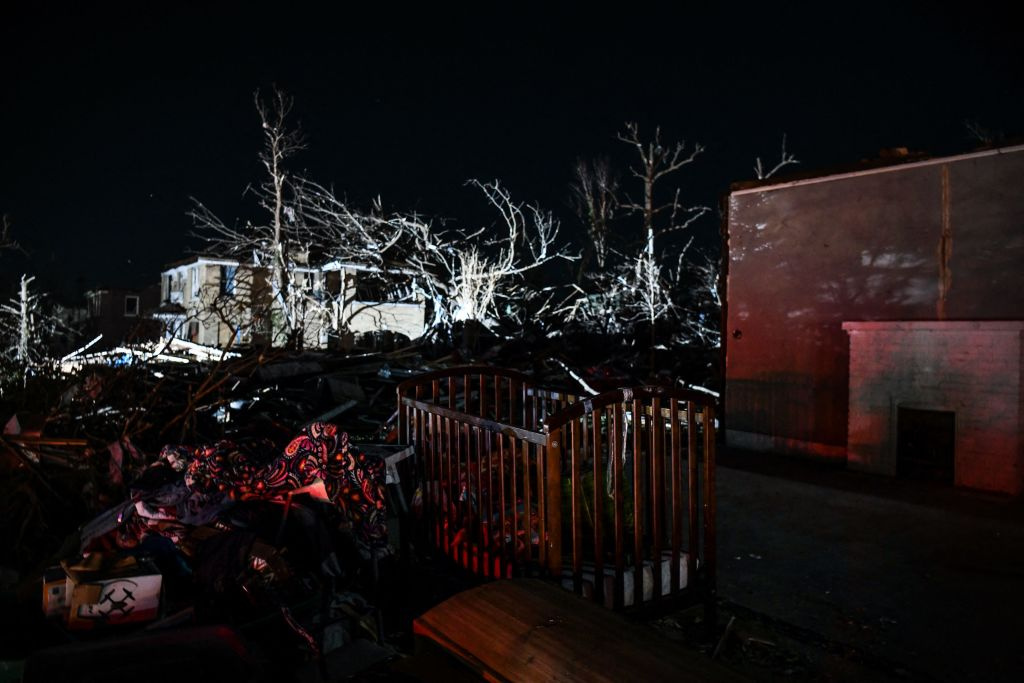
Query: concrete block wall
{"points": [[973, 369]]}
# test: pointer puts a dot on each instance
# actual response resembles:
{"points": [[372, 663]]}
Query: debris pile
{"points": [[253, 499], [225, 489]]}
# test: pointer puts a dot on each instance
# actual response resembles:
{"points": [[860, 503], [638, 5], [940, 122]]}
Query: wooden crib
{"points": [[612, 495]]}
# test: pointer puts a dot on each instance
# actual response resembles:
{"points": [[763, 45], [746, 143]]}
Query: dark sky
{"points": [[112, 119]]}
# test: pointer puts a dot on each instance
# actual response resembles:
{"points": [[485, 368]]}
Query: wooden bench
{"points": [[531, 630]]}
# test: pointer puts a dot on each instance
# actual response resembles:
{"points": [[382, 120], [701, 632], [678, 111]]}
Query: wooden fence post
{"points": [[554, 504]]}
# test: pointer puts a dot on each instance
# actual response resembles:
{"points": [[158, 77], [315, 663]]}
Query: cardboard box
{"points": [[55, 592], [101, 591]]}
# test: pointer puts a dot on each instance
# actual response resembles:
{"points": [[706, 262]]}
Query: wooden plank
{"points": [[518, 432], [657, 469], [506, 556], [527, 502], [426, 444], [710, 544], [618, 491], [498, 399], [554, 503], [677, 491], [513, 457], [598, 507], [540, 495], [482, 505], [529, 630], [577, 508], [402, 429], [693, 542], [483, 395], [638, 503], [512, 412], [533, 418], [443, 485], [463, 458]]}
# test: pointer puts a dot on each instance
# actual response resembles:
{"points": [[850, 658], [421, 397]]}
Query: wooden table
{"points": [[530, 630]]}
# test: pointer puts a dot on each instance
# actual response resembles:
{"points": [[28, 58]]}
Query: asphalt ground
{"points": [[839, 575]]}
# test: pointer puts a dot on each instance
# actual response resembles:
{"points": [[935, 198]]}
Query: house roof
{"points": [[195, 258]]}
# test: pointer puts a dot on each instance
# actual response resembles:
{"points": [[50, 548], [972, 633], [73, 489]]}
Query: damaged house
{"points": [[875, 317], [200, 303], [224, 302], [364, 303], [119, 314]]}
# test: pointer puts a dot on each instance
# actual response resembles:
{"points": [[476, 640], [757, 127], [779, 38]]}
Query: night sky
{"points": [[112, 119]]}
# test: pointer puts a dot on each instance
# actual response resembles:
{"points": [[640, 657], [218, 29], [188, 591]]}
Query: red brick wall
{"points": [[973, 369], [941, 239]]}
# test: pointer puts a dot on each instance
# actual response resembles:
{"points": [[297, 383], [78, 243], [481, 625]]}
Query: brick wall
{"points": [[973, 369]]}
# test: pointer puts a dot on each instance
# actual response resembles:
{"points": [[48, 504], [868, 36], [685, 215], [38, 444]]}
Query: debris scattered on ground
{"points": [[160, 495]]}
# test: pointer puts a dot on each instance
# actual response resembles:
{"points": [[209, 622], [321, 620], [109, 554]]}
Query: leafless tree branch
{"points": [[785, 159]]}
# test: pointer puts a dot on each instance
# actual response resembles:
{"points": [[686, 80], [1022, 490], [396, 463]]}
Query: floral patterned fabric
{"points": [[219, 474]]}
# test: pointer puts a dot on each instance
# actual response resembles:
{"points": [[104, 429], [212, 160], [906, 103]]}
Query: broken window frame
{"points": [[227, 279]]}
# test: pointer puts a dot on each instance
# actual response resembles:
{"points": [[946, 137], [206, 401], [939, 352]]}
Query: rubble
{"points": [[99, 468]]}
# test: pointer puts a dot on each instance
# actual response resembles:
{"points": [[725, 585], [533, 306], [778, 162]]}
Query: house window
{"points": [[194, 274], [94, 305], [131, 306], [193, 331], [227, 279], [169, 288]]}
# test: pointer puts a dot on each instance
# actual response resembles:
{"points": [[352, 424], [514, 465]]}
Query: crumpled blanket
{"points": [[215, 476]]}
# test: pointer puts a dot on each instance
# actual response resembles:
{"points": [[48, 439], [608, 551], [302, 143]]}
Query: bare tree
{"points": [[281, 244], [651, 294], [634, 286], [785, 159], [595, 202], [346, 234], [22, 317], [280, 142], [472, 279], [656, 160], [700, 303], [310, 230], [26, 331]]}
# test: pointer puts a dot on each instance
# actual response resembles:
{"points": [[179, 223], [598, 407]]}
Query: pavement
{"points": [[907, 580]]}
